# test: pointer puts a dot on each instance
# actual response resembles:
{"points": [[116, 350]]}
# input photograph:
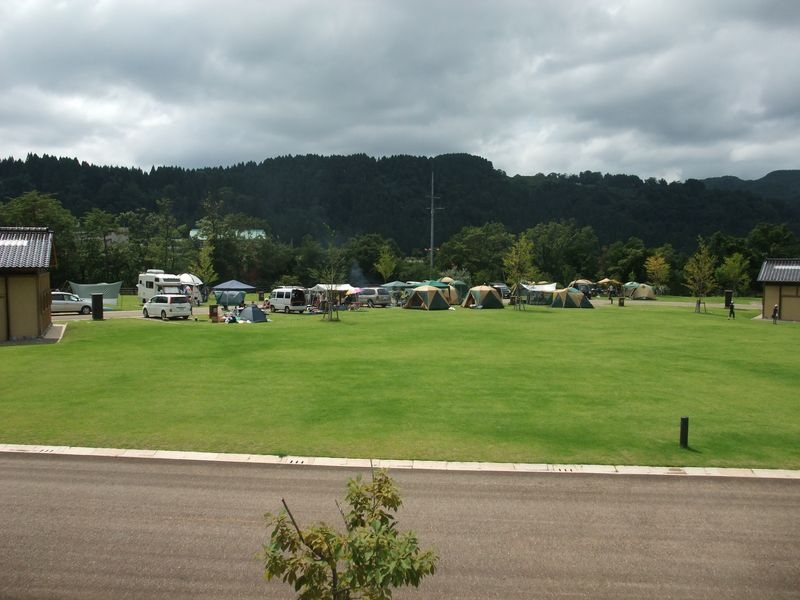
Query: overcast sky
{"points": [[672, 88]]}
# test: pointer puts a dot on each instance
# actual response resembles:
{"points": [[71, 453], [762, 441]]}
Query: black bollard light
{"points": [[684, 432]]}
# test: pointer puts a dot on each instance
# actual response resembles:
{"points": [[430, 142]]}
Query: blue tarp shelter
{"points": [[231, 293], [234, 286]]}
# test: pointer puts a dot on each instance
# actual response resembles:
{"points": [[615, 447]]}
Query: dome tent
{"points": [[628, 287], [252, 314], [570, 298], [641, 292], [449, 292], [460, 287], [483, 296], [427, 297]]}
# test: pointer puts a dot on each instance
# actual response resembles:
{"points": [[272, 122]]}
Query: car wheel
{"points": [[144, 313], [184, 318], [163, 315], [86, 310], [286, 309]]}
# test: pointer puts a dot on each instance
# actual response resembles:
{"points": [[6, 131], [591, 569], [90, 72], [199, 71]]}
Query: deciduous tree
{"points": [[734, 272], [363, 253], [386, 264], [518, 263], [479, 250], [97, 228], [657, 269], [204, 266], [329, 274], [563, 251], [367, 560], [698, 272]]}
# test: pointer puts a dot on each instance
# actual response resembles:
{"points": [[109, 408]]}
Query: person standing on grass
{"points": [[731, 312], [775, 315]]}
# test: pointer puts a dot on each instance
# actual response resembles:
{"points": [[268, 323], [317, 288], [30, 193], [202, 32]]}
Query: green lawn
{"points": [[604, 386]]}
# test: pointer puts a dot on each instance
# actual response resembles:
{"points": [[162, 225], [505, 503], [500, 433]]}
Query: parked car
{"points": [[168, 306], [288, 299], [502, 289], [64, 302], [375, 296]]}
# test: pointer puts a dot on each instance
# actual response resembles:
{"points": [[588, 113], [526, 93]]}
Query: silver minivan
{"points": [[374, 296], [61, 302]]}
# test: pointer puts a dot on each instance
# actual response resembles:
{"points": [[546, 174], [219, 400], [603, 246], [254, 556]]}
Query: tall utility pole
{"points": [[434, 208]]}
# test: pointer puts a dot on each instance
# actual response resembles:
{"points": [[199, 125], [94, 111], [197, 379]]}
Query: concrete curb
{"points": [[431, 465]]}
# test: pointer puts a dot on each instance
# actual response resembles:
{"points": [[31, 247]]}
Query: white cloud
{"points": [[672, 88]]}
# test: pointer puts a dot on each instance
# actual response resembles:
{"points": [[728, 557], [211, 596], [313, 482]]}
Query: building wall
{"points": [[45, 302], [786, 296], [25, 307], [3, 310]]}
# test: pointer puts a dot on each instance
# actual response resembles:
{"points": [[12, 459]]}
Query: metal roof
{"points": [[780, 270], [25, 248]]}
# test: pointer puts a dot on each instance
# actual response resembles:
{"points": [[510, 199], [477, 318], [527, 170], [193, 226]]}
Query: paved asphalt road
{"points": [[90, 527]]}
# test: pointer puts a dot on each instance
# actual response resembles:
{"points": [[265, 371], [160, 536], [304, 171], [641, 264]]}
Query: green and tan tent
{"points": [[482, 296], [458, 289], [427, 297], [570, 298], [641, 292]]}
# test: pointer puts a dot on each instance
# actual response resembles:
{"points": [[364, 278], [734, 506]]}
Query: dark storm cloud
{"points": [[667, 88]]}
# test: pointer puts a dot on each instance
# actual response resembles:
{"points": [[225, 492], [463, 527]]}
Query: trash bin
{"points": [[213, 312], [260, 296], [621, 301], [97, 307]]}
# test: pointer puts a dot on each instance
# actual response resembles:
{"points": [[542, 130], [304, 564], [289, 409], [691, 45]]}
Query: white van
{"points": [[155, 281], [288, 299]]}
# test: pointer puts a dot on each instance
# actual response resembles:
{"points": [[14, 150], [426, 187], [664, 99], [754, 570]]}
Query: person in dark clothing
{"points": [[775, 315], [731, 311]]}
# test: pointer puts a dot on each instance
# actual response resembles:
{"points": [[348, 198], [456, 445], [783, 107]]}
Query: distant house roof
{"points": [[780, 270], [25, 248], [242, 234]]}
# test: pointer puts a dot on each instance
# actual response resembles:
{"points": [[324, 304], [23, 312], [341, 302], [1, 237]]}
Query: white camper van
{"points": [[155, 281], [288, 299]]}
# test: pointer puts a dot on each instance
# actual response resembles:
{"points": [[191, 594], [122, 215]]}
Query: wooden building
{"points": [[25, 254], [781, 280]]}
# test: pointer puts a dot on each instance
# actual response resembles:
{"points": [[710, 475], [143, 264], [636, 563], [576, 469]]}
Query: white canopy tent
{"points": [[192, 283], [538, 293]]}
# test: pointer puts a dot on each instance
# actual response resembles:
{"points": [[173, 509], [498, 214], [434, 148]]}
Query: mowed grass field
{"points": [[603, 386]]}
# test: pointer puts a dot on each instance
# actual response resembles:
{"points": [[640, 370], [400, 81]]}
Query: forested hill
{"points": [[784, 185], [296, 196]]}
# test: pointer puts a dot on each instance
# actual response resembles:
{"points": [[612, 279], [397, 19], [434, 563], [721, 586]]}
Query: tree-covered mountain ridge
{"points": [[298, 196], [782, 184]]}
